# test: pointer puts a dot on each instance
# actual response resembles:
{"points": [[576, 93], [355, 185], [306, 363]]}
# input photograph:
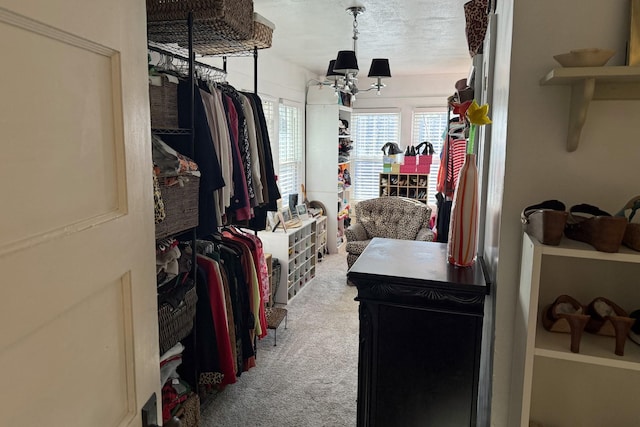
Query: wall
{"points": [[529, 162]]}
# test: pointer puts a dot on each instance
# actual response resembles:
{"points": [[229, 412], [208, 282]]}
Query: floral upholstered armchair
{"points": [[390, 217]]}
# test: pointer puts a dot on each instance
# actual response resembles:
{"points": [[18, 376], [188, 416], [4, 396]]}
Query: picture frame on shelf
{"points": [[290, 219], [272, 220], [302, 211], [286, 214], [281, 223]]}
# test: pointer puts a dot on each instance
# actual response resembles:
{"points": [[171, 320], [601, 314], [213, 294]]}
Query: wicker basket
{"points": [[190, 411], [163, 100], [230, 19], [181, 207], [261, 38], [175, 323]]}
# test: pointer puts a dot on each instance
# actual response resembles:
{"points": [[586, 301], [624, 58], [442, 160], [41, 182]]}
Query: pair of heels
{"points": [[547, 221], [601, 316], [632, 232]]}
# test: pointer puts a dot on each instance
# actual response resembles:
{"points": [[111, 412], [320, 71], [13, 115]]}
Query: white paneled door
{"points": [[78, 322]]}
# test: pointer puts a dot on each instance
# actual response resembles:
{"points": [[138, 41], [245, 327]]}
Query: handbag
{"points": [[475, 12], [410, 151], [391, 148], [428, 149]]}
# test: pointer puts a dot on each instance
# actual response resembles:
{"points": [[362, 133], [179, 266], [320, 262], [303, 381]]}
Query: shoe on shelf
{"points": [[634, 332], [590, 224], [545, 221], [632, 232], [566, 315], [608, 318]]}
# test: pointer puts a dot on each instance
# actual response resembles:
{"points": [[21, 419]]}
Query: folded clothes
{"points": [[169, 161]]}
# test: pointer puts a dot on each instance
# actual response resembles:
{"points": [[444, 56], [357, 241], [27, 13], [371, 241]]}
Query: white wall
{"points": [[528, 143], [276, 77]]}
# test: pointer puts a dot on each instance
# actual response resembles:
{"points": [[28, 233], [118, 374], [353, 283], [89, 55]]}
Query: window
{"points": [[370, 131], [269, 108], [290, 151], [430, 126]]}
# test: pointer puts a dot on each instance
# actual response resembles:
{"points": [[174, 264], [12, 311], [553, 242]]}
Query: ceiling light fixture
{"points": [[343, 70]]}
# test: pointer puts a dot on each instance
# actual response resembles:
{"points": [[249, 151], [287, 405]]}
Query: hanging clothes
{"points": [[272, 193], [205, 156], [256, 159], [240, 205], [219, 318]]}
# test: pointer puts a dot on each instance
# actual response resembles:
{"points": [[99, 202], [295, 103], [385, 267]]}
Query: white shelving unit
{"points": [[592, 388], [321, 235], [592, 84], [323, 114], [296, 250]]}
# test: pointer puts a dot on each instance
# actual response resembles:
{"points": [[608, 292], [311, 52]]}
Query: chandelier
{"points": [[343, 70]]}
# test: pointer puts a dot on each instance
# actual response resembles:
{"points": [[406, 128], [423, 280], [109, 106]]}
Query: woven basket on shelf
{"points": [[231, 19], [163, 100], [180, 206], [175, 323], [190, 411], [261, 38]]}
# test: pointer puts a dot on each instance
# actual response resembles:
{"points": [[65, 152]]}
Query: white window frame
{"points": [[355, 158], [437, 142], [298, 152]]}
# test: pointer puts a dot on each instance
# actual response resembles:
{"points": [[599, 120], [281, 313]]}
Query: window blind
{"points": [[290, 150], [430, 126], [370, 131], [269, 114]]}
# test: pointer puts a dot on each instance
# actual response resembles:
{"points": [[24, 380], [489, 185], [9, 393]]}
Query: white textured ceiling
{"points": [[418, 36]]}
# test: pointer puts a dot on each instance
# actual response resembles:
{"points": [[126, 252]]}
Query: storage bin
{"points": [[424, 159], [163, 102], [213, 20], [190, 411], [260, 38], [423, 168], [424, 163], [410, 160], [411, 168], [175, 318], [180, 205]]}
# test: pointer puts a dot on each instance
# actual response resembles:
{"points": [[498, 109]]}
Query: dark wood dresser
{"points": [[420, 335]]}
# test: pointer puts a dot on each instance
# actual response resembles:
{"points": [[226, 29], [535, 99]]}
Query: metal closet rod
{"points": [[186, 59], [212, 67]]}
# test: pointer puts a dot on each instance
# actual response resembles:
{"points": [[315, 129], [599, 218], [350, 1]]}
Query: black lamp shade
{"points": [[331, 74], [379, 68], [346, 62]]}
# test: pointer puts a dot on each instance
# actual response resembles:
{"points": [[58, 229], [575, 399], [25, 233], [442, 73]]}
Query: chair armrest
{"points": [[425, 235], [355, 232]]}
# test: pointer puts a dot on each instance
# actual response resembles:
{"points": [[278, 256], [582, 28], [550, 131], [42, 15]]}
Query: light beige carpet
{"points": [[310, 378]]}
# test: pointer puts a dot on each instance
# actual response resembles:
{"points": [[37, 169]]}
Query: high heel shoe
{"points": [[632, 232], [545, 221], [566, 315], [590, 224], [608, 318]]}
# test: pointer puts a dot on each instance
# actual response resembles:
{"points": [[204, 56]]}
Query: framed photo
{"points": [[286, 214], [280, 220], [272, 220], [302, 211]]}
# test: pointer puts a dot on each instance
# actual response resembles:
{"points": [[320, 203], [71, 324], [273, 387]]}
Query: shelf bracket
{"points": [[581, 96]]}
